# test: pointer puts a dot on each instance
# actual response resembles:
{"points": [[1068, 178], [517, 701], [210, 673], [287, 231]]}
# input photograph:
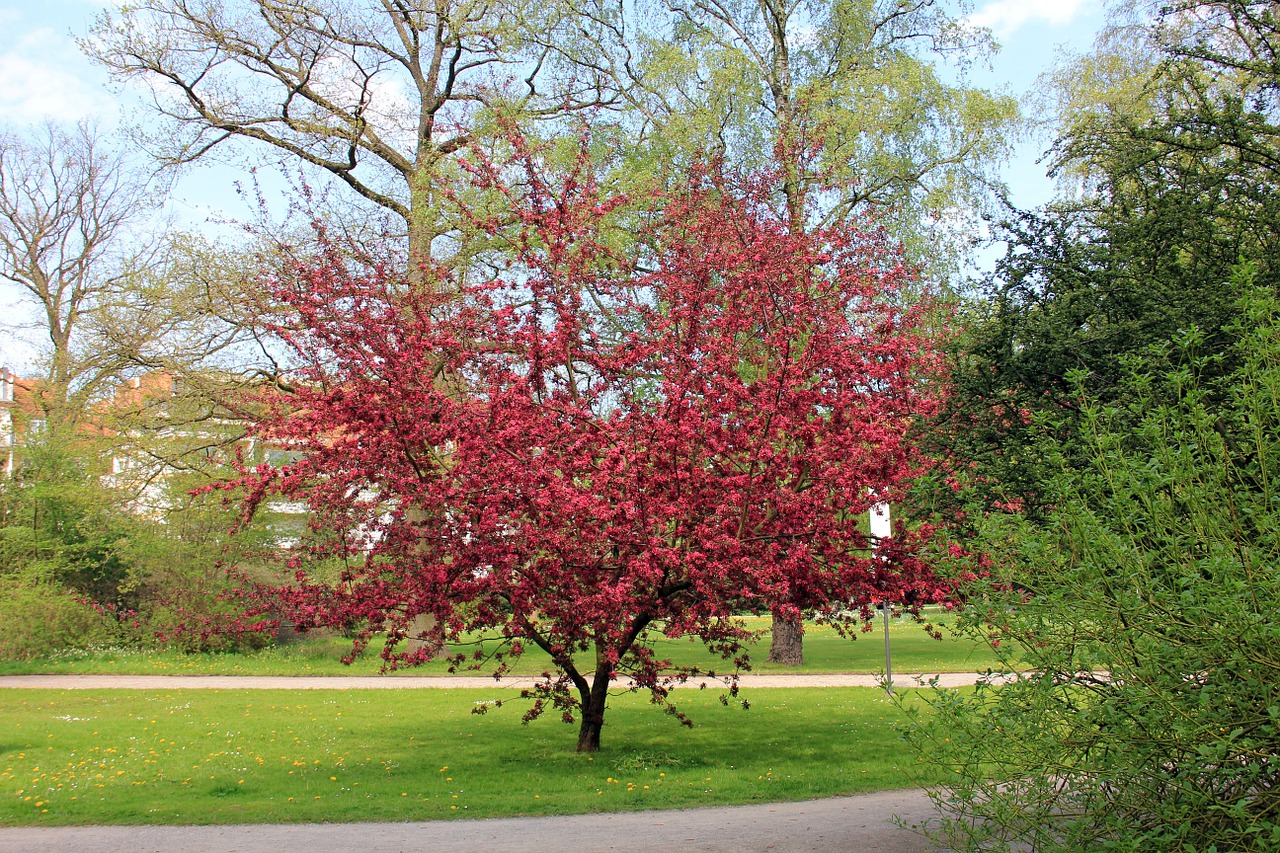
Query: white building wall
{"points": [[6, 420]]}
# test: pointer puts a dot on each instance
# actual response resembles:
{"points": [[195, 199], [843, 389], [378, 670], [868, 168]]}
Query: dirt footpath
{"points": [[858, 824], [411, 682]]}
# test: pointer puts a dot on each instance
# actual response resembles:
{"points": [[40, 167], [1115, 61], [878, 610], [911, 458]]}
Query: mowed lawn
{"points": [[212, 756], [913, 650]]}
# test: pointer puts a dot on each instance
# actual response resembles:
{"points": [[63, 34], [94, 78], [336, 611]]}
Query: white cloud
{"points": [[33, 92], [1004, 17], [38, 81]]}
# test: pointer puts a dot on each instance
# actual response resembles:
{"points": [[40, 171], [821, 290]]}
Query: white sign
{"points": [[881, 526]]}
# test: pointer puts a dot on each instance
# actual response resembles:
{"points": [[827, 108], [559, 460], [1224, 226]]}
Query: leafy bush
{"points": [[193, 606], [1145, 606], [82, 567], [39, 618]]}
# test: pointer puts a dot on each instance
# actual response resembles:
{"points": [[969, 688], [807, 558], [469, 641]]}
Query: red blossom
{"points": [[621, 435]]}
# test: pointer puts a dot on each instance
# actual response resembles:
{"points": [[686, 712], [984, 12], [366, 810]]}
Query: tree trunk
{"points": [[593, 704], [426, 633], [787, 647]]}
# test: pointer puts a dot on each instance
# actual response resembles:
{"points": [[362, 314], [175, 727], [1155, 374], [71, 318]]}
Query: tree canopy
{"points": [[851, 95], [382, 96], [1167, 148], [377, 95], [1113, 413], [653, 438], [67, 204]]}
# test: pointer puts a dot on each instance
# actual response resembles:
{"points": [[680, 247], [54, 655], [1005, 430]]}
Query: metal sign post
{"points": [[882, 529]]}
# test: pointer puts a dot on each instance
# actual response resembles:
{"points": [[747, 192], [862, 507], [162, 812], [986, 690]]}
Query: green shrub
{"points": [[1146, 608], [187, 601], [38, 618], [71, 538], [205, 616]]}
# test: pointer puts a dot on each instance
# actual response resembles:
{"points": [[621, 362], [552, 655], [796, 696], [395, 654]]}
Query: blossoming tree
{"points": [[609, 441]]}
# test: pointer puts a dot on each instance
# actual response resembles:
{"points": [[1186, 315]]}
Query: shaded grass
{"points": [[210, 756], [825, 651]]}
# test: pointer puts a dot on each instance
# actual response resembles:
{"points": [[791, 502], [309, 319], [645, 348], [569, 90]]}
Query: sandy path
{"points": [[857, 824], [376, 682]]}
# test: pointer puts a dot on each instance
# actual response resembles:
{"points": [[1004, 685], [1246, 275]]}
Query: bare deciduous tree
{"points": [[67, 204], [377, 93]]}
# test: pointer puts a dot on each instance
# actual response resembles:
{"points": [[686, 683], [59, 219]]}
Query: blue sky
{"points": [[43, 77], [1033, 34]]}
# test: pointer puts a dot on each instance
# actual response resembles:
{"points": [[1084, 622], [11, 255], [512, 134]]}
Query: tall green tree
{"points": [[846, 102], [849, 101], [1116, 402], [1167, 148]]}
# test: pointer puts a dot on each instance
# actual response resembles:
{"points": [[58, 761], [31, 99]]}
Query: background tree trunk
{"points": [[787, 647], [425, 632]]}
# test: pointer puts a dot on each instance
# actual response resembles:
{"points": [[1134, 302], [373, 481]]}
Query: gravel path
{"points": [[858, 824], [378, 682]]}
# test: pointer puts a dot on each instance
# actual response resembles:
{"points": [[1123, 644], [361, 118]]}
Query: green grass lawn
{"points": [[825, 651], [211, 756]]}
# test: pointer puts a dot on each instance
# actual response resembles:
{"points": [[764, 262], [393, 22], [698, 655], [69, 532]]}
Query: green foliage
{"points": [[40, 617], [59, 563], [59, 528], [80, 566], [1144, 603], [1170, 155], [188, 603], [850, 95], [186, 599]]}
